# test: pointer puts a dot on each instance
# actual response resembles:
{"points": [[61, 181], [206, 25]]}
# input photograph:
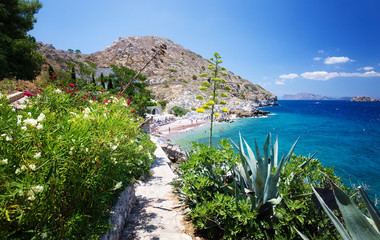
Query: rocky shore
{"points": [[364, 99]]}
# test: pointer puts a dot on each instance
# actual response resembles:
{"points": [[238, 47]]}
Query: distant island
{"points": [[310, 96], [364, 99]]}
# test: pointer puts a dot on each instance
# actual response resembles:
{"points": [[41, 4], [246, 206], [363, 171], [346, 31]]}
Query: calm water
{"points": [[345, 135]]}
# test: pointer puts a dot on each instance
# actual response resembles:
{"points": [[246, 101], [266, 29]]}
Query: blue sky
{"points": [[326, 47]]}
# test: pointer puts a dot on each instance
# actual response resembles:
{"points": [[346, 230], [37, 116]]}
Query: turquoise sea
{"points": [[345, 135]]}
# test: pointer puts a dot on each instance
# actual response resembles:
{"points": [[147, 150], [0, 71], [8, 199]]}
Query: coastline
{"points": [[177, 127]]}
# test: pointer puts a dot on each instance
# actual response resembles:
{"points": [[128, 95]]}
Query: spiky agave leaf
{"points": [[373, 212], [357, 224], [338, 225]]}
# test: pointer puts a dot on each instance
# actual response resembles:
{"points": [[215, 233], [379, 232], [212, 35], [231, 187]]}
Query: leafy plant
{"points": [[179, 111], [358, 225], [213, 82], [221, 206], [65, 156]]}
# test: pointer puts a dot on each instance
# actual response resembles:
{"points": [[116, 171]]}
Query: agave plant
{"points": [[357, 224], [258, 177]]}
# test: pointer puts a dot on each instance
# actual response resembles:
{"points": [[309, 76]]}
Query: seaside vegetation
{"points": [[243, 196], [66, 154]]}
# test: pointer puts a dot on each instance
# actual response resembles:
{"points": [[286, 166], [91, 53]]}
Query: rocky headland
{"points": [[176, 78], [364, 99]]}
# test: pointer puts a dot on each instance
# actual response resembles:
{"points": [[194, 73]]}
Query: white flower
{"points": [[114, 147], [86, 149], [4, 161], [17, 171], [57, 91], [59, 137], [37, 189], [41, 117], [105, 115], [118, 185], [32, 167], [31, 196], [44, 235], [39, 126], [23, 168], [37, 155], [21, 106], [21, 193], [29, 114], [23, 128], [91, 101], [30, 121], [85, 116], [140, 148], [8, 138], [87, 110]]}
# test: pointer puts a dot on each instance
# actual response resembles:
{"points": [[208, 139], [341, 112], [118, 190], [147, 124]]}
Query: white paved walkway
{"points": [[157, 214]]}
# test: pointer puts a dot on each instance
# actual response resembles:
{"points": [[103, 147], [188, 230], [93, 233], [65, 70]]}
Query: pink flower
{"points": [[93, 97], [76, 89], [67, 90], [61, 84], [84, 97], [105, 101], [128, 102], [70, 90], [28, 94], [87, 95], [117, 96], [101, 90], [71, 85]]}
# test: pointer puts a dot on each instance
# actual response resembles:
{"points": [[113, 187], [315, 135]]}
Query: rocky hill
{"points": [[176, 78], [305, 96], [364, 99]]}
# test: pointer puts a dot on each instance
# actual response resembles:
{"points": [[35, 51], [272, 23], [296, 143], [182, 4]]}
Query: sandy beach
{"points": [[177, 126]]}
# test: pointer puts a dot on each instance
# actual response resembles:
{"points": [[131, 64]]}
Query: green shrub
{"points": [[180, 63], [179, 111], [69, 155], [208, 185], [194, 77], [163, 103], [166, 85], [173, 70]]}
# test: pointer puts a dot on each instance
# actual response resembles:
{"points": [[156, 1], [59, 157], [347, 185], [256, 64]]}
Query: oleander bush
{"points": [[65, 156], [221, 207]]}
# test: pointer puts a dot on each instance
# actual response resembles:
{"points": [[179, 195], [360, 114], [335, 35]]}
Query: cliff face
{"points": [[176, 78]]}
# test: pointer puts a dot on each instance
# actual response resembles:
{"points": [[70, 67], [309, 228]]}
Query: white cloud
{"points": [[324, 76], [335, 60], [279, 82], [319, 75], [368, 68], [321, 51], [317, 58], [289, 76]]}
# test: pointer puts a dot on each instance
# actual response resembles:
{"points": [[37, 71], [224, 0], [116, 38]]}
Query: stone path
{"points": [[156, 215]]}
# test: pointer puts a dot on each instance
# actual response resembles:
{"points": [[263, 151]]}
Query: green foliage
{"points": [[67, 160], [166, 85], [18, 51], [184, 81], [137, 91], [214, 83], [357, 224], [163, 103], [220, 204], [173, 70], [194, 77], [179, 111], [180, 63]]}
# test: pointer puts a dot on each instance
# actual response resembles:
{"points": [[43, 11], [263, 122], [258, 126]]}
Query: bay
{"points": [[345, 135]]}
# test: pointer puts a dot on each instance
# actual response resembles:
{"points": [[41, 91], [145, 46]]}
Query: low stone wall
{"points": [[120, 213], [15, 96]]}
